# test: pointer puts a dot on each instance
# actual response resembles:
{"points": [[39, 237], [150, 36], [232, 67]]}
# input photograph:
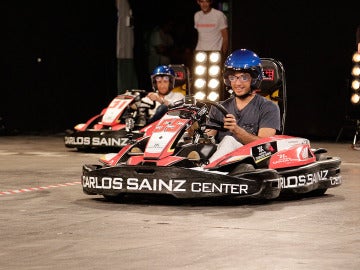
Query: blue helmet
{"points": [[246, 61], [163, 71]]}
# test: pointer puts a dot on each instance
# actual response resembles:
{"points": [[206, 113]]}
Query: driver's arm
{"points": [[241, 134]]}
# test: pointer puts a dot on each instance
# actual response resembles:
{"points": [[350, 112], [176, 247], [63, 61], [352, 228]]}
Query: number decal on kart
{"points": [[170, 125]]}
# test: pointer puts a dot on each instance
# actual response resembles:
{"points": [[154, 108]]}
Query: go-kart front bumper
{"points": [[99, 139], [196, 183]]}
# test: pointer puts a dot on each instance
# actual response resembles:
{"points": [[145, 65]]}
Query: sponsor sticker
{"points": [[263, 151], [95, 141], [300, 180]]}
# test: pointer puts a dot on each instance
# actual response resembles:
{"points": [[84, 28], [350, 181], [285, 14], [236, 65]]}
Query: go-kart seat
{"points": [[273, 85], [182, 78]]}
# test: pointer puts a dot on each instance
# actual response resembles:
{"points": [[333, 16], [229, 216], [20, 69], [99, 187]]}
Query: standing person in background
{"points": [[211, 25], [161, 45]]}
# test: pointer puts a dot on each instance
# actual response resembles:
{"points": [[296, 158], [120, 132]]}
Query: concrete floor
{"points": [[47, 222]]}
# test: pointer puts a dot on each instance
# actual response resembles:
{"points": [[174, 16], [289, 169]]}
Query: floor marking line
{"points": [[23, 190]]}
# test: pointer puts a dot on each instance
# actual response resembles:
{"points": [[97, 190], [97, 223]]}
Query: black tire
{"points": [[316, 192], [356, 146], [91, 167], [84, 149], [241, 168], [321, 156], [114, 198]]}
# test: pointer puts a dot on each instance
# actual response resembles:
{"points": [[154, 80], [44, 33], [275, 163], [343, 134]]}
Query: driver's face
{"points": [[162, 85], [240, 83]]}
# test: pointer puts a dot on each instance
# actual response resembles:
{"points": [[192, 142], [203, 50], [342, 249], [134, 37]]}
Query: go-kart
{"points": [[172, 157], [109, 128]]}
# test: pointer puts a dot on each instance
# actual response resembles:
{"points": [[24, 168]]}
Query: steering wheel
{"points": [[199, 104], [143, 93], [223, 110]]}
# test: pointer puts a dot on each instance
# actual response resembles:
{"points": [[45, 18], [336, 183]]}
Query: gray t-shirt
{"points": [[259, 113]]}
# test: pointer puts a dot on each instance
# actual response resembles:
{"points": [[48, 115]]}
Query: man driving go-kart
{"points": [[163, 81], [251, 116], [259, 163]]}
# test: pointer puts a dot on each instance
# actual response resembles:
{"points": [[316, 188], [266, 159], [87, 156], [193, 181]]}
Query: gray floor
{"points": [[47, 222]]}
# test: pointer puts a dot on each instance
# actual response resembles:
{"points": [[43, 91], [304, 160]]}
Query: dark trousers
{"points": [[160, 111]]}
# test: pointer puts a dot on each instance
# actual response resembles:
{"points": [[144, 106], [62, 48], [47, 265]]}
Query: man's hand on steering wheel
{"points": [[230, 122]]}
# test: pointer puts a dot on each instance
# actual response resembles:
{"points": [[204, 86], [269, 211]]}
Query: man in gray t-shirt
{"points": [[251, 116], [258, 113]]}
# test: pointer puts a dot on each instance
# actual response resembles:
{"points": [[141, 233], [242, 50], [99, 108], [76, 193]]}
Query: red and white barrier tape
{"points": [[17, 191]]}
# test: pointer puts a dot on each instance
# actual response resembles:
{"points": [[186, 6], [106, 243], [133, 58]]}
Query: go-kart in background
{"points": [[59, 66]]}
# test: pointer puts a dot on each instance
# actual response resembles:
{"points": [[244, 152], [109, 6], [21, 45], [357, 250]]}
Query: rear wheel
{"points": [[356, 145], [356, 142]]}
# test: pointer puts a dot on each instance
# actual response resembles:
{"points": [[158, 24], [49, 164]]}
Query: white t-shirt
{"points": [[171, 98], [209, 28]]}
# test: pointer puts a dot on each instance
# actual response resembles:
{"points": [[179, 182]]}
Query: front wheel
{"points": [[316, 192], [241, 168], [114, 198], [321, 156]]}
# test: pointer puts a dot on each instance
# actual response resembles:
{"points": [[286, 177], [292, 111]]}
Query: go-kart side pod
{"points": [[295, 156]]}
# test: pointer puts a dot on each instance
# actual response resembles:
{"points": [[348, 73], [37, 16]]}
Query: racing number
{"points": [[118, 103]]}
